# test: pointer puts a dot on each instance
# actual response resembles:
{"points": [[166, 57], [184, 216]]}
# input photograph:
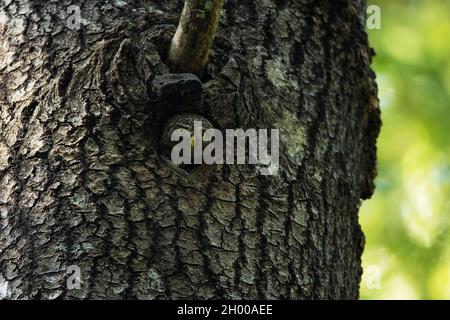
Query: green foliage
{"points": [[407, 223]]}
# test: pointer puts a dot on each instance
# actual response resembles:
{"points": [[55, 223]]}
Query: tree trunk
{"points": [[82, 183]]}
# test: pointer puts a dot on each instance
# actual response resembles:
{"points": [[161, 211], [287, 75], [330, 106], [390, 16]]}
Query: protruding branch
{"points": [[194, 38]]}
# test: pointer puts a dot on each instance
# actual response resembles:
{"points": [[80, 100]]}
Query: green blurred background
{"points": [[407, 222]]}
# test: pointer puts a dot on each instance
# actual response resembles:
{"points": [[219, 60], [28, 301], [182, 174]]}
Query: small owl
{"points": [[184, 121]]}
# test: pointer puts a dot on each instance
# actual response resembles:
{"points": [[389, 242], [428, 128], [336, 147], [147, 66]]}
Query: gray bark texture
{"points": [[82, 183]]}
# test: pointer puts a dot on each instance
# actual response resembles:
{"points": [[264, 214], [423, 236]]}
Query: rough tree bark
{"points": [[82, 183]]}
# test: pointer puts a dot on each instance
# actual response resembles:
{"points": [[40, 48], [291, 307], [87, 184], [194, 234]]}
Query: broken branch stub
{"points": [[194, 37]]}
